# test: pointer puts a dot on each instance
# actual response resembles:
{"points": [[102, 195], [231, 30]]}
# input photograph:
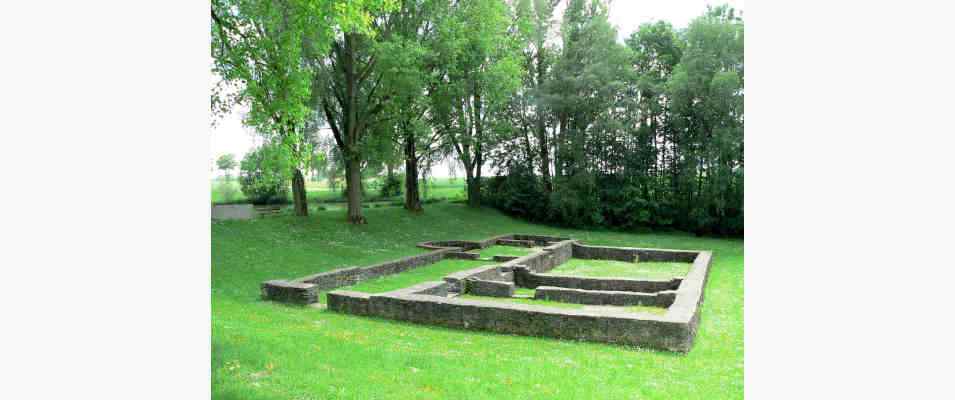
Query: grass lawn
{"points": [[263, 350], [492, 251], [523, 301], [621, 269], [433, 272], [437, 189]]}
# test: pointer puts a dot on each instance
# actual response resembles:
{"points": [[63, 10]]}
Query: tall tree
{"points": [[706, 89], [257, 52], [536, 27], [479, 73], [352, 100], [408, 62]]}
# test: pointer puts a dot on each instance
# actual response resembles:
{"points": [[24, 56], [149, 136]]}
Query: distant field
{"points": [[320, 192]]}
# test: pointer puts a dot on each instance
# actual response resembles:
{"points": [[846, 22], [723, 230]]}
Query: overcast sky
{"points": [[229, 136]]}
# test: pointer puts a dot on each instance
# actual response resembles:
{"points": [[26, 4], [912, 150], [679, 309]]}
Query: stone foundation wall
{"points": [[629, 254], [539, 240], [519, 243], [350, 276], [546, 259], [527, 279], [479, 287], [427, 304], [462, 255], [496, 273], [644, 330], [605, 297], [290, 292]]}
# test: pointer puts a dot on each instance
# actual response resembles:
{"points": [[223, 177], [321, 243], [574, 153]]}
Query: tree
{"points": [[226, 163], [258, 52], [408, 61], [706, 89], [479, 73], [349, 79]]}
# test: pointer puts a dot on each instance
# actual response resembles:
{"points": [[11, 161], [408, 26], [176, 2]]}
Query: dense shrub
{"points": [[518, 194], [576, 202], [608, 201], [265, 174], [390, 185]]}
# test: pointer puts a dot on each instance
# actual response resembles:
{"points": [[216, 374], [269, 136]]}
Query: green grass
{"points": [[438, 189], [524, 291], [433, 272], [263, 350], [492, 251], [548, 303], [524, 301], [621, 269]]}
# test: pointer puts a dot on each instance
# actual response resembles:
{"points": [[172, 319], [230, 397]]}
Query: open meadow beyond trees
{"points": [[266, 350]]}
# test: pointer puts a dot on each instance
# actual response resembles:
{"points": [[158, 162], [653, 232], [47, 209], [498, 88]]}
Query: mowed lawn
{"points": [[264, 350], [320, 192]]}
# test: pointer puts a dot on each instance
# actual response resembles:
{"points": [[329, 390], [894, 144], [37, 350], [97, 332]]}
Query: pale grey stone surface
{"points": [[233, 211]]}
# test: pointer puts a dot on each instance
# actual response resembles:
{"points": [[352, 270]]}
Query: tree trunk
{"points": [[474, 189], [412, 196], [298, 193], [545, 155], [353, 186]]}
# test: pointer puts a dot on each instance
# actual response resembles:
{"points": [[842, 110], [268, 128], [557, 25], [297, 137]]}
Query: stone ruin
{"points": [[437, 303]]}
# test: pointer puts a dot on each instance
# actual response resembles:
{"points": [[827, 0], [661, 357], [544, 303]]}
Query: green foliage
{"points": [[391, 185], [265, 175], [575, 202], [226, 163], [647, 135]]}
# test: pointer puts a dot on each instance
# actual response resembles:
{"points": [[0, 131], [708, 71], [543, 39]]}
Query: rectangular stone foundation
{"points": [[433, 302]]}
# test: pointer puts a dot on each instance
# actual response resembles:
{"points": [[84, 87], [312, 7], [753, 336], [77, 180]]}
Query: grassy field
{"points": [[433, 272], [620, 269], [436, 189], [263, 350], [492, 251]]}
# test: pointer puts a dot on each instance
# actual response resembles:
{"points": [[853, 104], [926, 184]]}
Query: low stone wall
{"points": [[496, 273], [629, 254], [349, 302], [645, 330], [427, 304], [512, 242], [546, 259], [479, 287], [350, 276], [461, 255], [290, 292], [523, 277], [539, 240], [504, 258], [605, 297]]}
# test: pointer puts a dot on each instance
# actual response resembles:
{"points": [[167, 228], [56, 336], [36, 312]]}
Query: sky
{"points": [[229, 136]]}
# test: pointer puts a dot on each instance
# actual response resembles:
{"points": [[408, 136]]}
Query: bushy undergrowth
{"points": [[587, 200], [265, 175]]}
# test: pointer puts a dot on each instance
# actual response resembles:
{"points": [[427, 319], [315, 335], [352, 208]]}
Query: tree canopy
{"points": [[578, 125]]}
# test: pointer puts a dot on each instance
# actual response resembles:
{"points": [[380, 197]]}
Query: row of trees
{"points": [[558, 106]]}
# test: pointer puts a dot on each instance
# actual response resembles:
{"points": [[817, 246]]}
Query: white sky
{"points": [[229, 136]]}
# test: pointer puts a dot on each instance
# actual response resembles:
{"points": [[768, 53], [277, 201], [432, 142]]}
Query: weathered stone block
{"points": [[480, 287], [289, 292]]}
